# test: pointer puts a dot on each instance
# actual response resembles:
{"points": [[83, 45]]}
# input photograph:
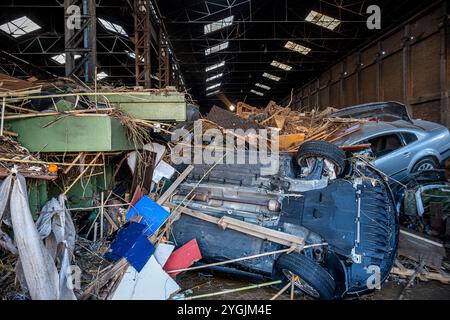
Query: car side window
{"points": [[383, 145], [409, 137]]}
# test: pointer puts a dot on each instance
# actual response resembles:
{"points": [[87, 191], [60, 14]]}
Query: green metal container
{"points": [[71, 134], [157, 106]]}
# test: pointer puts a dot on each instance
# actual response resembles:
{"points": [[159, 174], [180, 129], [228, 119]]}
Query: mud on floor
{"points": [[203, 283]]}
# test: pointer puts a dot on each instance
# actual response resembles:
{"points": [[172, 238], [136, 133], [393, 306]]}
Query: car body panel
{"points": [[375, 110], [433, 140]]}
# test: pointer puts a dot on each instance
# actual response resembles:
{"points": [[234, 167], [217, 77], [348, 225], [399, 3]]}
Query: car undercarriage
{"points": [[341, 206]]}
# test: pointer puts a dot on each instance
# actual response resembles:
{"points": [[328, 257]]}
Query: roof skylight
{"points": [[257, 93], [19, 27], [61, 58], [213, 86], [271, 76], [133, 55], [218, 25], [101, 75], [216, 48], [215, 66], [281, 65], [262, 86], [322, 20], [113, 27], [297, 47], [217, 76], [213, 93]]}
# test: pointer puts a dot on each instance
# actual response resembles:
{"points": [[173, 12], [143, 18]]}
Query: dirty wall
{"points": [[410, 64]]}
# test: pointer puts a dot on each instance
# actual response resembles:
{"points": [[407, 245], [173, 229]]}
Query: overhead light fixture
{"points": [[101, 75], [281, 65], [61, 58], [322, 20], [262, 86], [216, 48], [271, 76], [113, 27], [213, 86], [215, 66], [19, 27], [218, 25], [232, 107], [217, 76], [297, 47], [257, 93], [213, 93]]}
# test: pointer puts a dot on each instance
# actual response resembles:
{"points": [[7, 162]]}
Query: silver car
{"points": [[400, 145]]}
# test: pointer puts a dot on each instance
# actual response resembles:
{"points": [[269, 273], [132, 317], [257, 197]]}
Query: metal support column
{"points": [[142, 42], [164, 61], [80, 35]]}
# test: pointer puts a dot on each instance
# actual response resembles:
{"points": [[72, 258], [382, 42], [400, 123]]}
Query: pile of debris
{"points": [[78, 165], [297, 127], [87, 178]]}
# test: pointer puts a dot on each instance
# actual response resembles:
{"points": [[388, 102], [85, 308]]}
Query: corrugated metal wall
{"points": [[410, 64]]}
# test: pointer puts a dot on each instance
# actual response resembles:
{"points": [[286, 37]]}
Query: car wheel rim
{"points": [[301, 284], [311, 161], [425, 166]]}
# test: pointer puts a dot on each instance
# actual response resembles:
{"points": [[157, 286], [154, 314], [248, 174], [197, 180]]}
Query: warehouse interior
{"points": [[93, 91]]}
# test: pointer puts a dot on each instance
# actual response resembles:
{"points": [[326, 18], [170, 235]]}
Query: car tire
{"points": [[428, 163], [322, 149], [314, 280]]}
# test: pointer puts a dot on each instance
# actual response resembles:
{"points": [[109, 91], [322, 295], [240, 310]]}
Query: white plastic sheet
{"points": [[5, 189], [38, 267], [55, 225], [152, 283]]}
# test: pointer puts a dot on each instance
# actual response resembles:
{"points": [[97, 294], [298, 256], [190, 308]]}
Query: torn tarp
{"points": [[38, 267], [5, 190], [55, 226]]}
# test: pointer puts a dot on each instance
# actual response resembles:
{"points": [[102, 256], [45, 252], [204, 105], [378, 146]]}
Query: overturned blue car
{"points": [[341, 207]]}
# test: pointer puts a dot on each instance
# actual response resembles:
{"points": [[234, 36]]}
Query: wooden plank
{"points": [[115, 269], [286, 142], [279, 121], [175, 185], [82, 173], [30, 175], [247, 228], [228, 222], [403, 272], [78, 157]]}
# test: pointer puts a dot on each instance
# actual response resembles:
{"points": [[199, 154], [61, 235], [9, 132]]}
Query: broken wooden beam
{"points": [[251, 229], [175, 185]]}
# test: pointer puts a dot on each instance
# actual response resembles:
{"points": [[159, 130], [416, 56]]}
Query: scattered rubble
{"points": [[89, 193]]}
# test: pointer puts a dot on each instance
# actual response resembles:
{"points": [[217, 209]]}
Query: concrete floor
{"points": [[203, 283]]}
